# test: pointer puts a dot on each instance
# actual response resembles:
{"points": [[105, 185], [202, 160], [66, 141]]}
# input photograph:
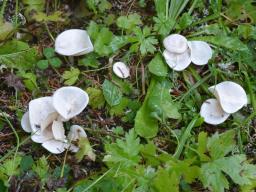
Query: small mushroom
{"points": [[25, 123], [231, 96], [177, 62], [54, 146], [175, 43], [70, 101], [212, 112], [44, 136], [73, 42], [121, 70], [76, 132], [201, 52], [39, 110]]}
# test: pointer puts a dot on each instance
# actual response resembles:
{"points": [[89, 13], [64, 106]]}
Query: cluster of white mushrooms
{"points": [[45, 117], [179, 52], [230, 97]]}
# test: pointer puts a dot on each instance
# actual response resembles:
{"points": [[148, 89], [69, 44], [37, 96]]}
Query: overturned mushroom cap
{"points": [[39, 111], [70, 101], [76, 132], [54, 146], [175, 43], [25, 124], [201, 52], [231, 96], [121, 70], [58, 131], [212, 112], [177, 62], [73, 42], [44, 135]]}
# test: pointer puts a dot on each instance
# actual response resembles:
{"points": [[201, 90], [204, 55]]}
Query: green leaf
{"points": [[10, 167], [55, 62], [220, 145], [42, 64], [56, 16], [101, 44], [96, 96], [89, 61], [184, 21], [157, 66], [29, 80], [166, 182], [124, 151], [18, 55], [26, 163], [93, 30], [71, 76], [160, 102], [112, 93], [232, 43], [41, 168], [129, 22], [6, 30], [85, 149], [145, 125], [163, 24], [49, 52]]}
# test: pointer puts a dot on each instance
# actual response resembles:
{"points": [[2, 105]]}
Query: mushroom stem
{"points": [[71, 60]]}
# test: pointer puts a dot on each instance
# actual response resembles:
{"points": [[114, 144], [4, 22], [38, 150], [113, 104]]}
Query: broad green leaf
{"points": [[145, 125], [157, 66], [163, 24], [42, 64], [85, 149], [57, 16], [101, 44], [41, 168], [166, 182], [18, 55], [220, 145], [160, 102], [55, 62], [26, 163], [6, 30], [10, 167], [96, 96], [71, 76], [29, 80], [129, 22], [89, 61], [49, 52], [112, 93], [228, 42]]}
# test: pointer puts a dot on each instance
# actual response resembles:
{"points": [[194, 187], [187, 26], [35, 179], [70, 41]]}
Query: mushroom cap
{"points": [[45, 135], [212, 112], [58, 131], [25, 124], [39, 110], [70, 101], [175, 43], [121, 70], [73, 42], [177, 62], [54, 146], [201, 52], [76, 132], [232, 96], [48, 121]]}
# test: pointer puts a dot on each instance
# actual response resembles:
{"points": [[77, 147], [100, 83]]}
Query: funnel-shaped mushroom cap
{"points": [[121, 70], [25, 124], [177, 62], [45, 135], [39, 110], [73, 42], [212, 112], [58, 130], [76, 132], [70, 101], [54, 146], [201, 52], [175, 43], [231, 96], [48, 121]]}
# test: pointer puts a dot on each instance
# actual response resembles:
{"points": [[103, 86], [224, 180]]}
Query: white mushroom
{"points": [[121, 70], [175, 43], [73, 42], [231, 96], [48, 121], [54, 146], [39, 110], [177, 62], [70, 101], [212, 112], [58, 131], [76, 132], [25, 124], [201, 52], [44, 136]]}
